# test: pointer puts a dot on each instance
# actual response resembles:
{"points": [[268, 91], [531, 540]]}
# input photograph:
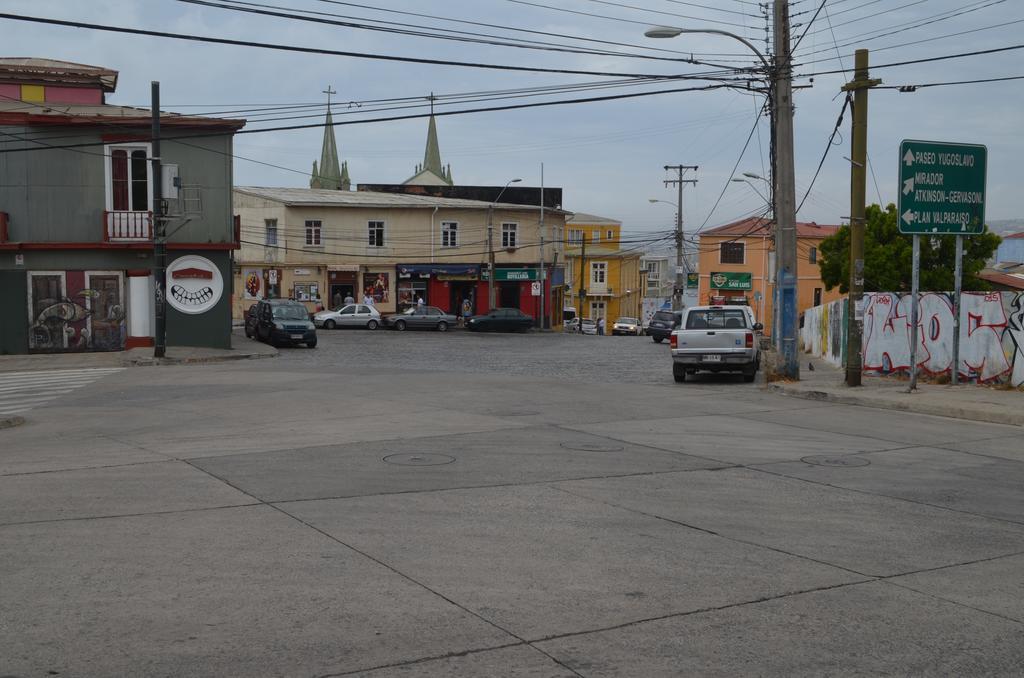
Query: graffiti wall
{"points": [[991, 334], [76, 311]]}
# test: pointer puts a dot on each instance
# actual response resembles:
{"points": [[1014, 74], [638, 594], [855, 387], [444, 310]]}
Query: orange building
{"points": [[737, 263]]}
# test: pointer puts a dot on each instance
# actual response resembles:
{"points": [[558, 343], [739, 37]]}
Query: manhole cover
{"points": [[847, 461], [419, 459], [592, 447]]}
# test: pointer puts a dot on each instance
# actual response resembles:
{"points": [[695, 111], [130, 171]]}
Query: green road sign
{"points": [[942, 188]]}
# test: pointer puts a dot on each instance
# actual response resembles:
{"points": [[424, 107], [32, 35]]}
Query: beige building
{"points": [[320, 246]]}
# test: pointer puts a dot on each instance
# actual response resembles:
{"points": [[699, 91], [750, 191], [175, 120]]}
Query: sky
{"points": [[608, 157]]}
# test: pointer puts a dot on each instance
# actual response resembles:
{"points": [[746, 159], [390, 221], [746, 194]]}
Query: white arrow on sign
{"points": [[908, 185], [909, 217], [909, 158]]}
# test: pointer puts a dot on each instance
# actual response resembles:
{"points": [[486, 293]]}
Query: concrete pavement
{"points": [[345, 517], [964, 401]]}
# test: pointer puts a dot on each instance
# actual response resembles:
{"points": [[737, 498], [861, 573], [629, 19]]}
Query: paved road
{"points": [[426, 505], [22, 391]]}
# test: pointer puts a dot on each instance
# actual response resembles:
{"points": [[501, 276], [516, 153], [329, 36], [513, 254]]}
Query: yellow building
{"points": [[603, 280]]}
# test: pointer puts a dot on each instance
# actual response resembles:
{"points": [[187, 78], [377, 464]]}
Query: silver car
{"points": [[420, 317], [351, 315]]}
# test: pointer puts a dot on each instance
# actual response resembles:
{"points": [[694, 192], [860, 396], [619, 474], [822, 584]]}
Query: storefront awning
{"points": [[438, 269]]}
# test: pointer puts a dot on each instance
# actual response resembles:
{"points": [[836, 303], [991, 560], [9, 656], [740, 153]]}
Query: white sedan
{"points": [[627, 326], [352, 315]]}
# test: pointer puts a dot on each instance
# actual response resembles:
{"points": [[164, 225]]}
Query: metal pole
{"points": [[785, 209], [915, 282], [858, 189], [543, 285], [958, 272], [490, 257], [677, 292], [159, 233]]}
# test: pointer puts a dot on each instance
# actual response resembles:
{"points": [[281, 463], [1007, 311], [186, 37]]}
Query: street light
{"points": [[490, 243], [779, 73], [748, 182]]}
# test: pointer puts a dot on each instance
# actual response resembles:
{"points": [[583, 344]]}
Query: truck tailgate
{"points": [[710, 340]]}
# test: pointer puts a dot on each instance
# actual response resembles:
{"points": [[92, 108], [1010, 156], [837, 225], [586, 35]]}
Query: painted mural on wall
{"points": [[991, 334], [76, 311]]}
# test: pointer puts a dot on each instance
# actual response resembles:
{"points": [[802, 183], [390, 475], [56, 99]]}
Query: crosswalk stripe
{"points": [[23, 391]]}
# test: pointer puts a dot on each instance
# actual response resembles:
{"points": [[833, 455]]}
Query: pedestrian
{"points": [[367, 299], [349, 299], [467, 308], [337, 300], [419, 304], [600, 326]]}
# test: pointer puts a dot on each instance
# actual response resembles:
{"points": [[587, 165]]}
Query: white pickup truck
{"points": [[716, 339]]}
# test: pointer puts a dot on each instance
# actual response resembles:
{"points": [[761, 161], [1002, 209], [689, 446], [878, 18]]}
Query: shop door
{"points": [[107, 317], [339, 292], [509, 295], [47, 313]]}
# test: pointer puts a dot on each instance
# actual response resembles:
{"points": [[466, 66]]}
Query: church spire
{"points": [[328, 174], [432, 171]]}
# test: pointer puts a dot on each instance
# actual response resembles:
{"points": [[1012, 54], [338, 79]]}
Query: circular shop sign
{"points": [[194, 284]]}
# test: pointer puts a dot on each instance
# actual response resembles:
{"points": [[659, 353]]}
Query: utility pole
{"points": [[677, 293], [490, 257], [159, 233], [583, 280], [785, 197], [543, 286], [858, 188]]}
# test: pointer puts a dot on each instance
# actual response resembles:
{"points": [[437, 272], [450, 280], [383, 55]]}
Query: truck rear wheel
{"points": [[678, 373]]}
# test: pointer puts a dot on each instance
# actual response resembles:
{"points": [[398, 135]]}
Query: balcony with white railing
{"points": [[127, 226]]}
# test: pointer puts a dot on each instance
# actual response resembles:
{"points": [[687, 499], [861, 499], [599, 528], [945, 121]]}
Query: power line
{"points": [[982, 52], [614, 18], [317, 50], [847, 101], [400, 117]]}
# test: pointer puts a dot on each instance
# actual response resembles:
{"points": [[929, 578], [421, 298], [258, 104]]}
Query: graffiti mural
{"points": [[991, 334], [67, 315]]}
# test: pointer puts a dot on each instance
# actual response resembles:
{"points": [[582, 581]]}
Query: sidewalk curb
{"points": [[905, 405], [11, 422], [154, 362]]}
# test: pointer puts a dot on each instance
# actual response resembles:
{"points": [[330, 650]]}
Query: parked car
{"points": [[662, 324], [572, 325], [350, 315], [626, 325], [716, 339], [250, 321], [420, 317], [284, 322], [501, 320], [588, 326]]}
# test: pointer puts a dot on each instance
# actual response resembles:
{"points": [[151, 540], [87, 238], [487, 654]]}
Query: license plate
{"points": [[296, 336], [712, 358]]}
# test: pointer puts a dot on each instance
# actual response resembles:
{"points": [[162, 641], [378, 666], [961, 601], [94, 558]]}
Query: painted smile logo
{"points": [[195, 284]]}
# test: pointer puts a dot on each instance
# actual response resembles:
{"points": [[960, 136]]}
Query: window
{"points": [[449, 234], [312, 232], [575, 236], [598, 272], [812, 256], [717, 318], [732, 253], [817, 297], [508, 235], [128, 184], [271, 232], [375, 230], [610, 235], [596, 236], [596, 309], [307, 292]]}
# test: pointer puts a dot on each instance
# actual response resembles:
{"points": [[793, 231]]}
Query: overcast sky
{"points": [[607, 156]]}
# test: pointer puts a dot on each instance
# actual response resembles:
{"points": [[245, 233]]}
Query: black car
{"points": [[282, 322], [661, 325], [250, 321], [501, 320]]}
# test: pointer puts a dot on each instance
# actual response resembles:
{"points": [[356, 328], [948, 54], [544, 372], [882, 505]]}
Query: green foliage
{"points": [[888, 256]]}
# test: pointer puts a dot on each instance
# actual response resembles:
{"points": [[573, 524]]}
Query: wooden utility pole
{"points": [[860, 85]]}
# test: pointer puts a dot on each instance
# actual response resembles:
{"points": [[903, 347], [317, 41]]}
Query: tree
{"points": [[888, 257]]}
